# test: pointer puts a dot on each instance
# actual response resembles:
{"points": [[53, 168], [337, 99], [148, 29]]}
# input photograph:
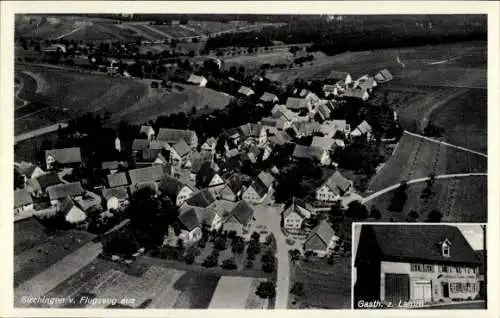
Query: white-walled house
{"points": [[175, 189], [333, 188], [116, 198], [294, 216], [22, 201]]}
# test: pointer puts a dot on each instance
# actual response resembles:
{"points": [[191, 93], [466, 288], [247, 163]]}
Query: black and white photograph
{"points": [[222, 160], [420, 266]]}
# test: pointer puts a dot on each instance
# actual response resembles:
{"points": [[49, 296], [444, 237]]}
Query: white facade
{"points": [[251, 196], [184, 194], [324, 193]]}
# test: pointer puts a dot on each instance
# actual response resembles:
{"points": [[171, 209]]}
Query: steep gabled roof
{"points": [[235, 183], [265, 178], [259, 187], [147, 174], [307, 152], [189, 219], [150, 155], [337, 75], [242, 212], [110, 165], [418, 243], [205, 174], [117, 179], [48, 179], [324, 231], [21, 198], [201, 199], [65, 155], [297, 206], [173, 136], [119, 193], [337, 183], [182, 148], [60, 191], [158, 144], [250, 130]]}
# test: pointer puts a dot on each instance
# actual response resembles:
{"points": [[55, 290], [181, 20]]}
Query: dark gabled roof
{"points": [[140, 144], [324, 231], [189, 219], [146, 174], [268, 97], [110, 165], [60, 191], [259, 187], [198, 159], [337, 182], [235, 183], [418, 243], [120, 193], [65, 205], [48, 179], [201, 199], [298, 207], [307, 152], [205, 175], [65, 155], [117, 179], [158, 144], [173, 136], [182, 148], [170, 186], [21, 198], [337, 75], [242, 212]]}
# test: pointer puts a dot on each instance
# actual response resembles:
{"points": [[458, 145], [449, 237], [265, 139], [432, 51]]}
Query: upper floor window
{"points": [[445, 248]]}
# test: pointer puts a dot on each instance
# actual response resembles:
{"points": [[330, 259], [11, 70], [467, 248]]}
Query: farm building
{"points": [[180, 152], [173, 136], [337, 75], [209, 145], [60, 191], [66, 157], [117, 179], [239, 219], [418, 263], [36, 186], [139, 145], [111, 166], [146, 174], [383, 76], [253, 133], [197, 80], [324, 143], [28, 170], [358, 93], [333, 188], [256, 192], [207, 177], [322, 240], [116, 198]]}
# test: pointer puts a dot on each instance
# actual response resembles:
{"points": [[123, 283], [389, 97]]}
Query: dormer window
{"points": [[445, 248]]}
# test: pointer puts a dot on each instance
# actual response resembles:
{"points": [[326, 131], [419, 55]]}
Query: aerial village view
{"points": [[205, 161]]}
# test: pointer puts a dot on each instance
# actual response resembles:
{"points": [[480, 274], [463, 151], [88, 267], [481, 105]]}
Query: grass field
{"points": [[416, 158], [32, 261], [460, 200], [464, 119], [145, 281], [27, 234], [469, 70], [325, 286], [68, 93]]}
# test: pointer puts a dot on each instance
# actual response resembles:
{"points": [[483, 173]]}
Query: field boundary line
{"points": [[447, 144], [418, 180]]}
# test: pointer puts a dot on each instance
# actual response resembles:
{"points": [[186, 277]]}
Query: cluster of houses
{"points": [[206, 185], [360, 88]]}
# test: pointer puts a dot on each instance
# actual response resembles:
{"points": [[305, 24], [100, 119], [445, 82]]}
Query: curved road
{"points": [[442, 176]]}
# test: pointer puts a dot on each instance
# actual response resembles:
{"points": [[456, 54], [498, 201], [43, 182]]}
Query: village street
{"points": [[271, 214]]}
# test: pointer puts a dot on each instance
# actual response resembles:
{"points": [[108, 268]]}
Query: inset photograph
{"points": [[415, 266]]}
